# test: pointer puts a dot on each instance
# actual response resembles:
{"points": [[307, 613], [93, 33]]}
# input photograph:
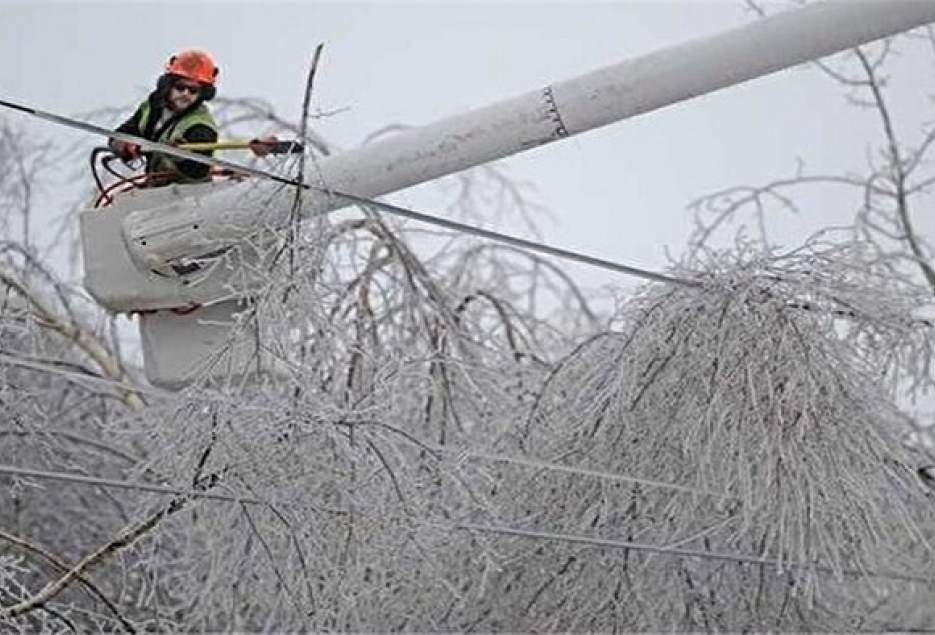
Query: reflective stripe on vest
{"points": [[175, 134]]}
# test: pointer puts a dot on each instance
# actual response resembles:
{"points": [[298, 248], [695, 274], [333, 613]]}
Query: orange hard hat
{"points": [[195, 65]]}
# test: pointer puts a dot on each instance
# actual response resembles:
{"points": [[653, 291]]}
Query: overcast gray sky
{"points": [[618, 192]]}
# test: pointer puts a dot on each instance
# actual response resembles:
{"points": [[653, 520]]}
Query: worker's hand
{"points": [[263, 146], [127, 152]]}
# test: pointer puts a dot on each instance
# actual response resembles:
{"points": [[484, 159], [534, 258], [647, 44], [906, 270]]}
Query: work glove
{"points": [[127, 152], [263, 146]]}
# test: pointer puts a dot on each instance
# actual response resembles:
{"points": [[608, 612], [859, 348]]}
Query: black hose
{"points": [[97, 177], [109, 157]]}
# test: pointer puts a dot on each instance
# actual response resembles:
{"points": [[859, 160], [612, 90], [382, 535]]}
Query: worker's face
{"points": [[182, 95]]}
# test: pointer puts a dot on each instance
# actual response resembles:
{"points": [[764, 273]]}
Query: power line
{"points": [[106, 482], [181, 153], [492, 529], [544, 465], [672, 551], [511, 240], [397, 210], [558, 467], [53, 368]]}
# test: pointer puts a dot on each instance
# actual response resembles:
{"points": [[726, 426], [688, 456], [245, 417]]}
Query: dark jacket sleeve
{"points": [[197, 134], [132, 125]]}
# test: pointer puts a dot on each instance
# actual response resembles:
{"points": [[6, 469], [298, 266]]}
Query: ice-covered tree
{"points": [[452, 437]]}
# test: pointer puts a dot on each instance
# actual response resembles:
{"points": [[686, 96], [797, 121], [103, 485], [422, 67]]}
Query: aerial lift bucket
{"points": [[189, 323], [212, 343]]}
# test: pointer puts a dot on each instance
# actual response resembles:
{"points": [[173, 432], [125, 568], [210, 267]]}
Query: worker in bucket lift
{"points": [[176, 113]]}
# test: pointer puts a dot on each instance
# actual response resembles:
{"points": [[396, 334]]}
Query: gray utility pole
{"points": [[139, 253]]}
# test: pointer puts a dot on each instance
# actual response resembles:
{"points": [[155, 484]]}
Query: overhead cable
{"points": [[492, 529], [180, 153], [512, 240], [570, 469], [106, 482], [495, 529], [671, 551]]}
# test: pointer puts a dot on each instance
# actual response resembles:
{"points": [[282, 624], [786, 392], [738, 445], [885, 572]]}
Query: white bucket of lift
{"points": [[206, 342]]}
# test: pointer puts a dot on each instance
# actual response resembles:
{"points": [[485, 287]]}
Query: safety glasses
{"points": [[194, 89]]}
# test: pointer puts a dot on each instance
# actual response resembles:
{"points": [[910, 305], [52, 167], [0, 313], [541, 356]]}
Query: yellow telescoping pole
{"points": [[216, 145], [278, 147]]}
